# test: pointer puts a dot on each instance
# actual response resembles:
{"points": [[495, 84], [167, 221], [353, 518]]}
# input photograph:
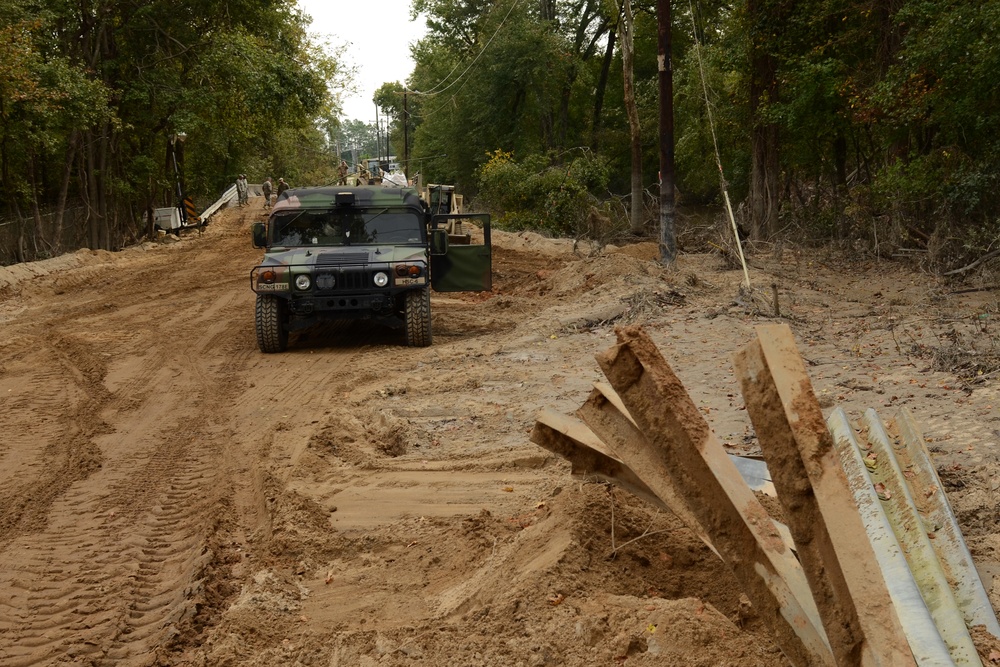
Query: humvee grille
{"points": [[346, 281], [341, 258]]}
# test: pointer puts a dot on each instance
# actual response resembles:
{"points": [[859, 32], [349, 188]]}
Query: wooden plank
{"points": [[586, 447], [833, 546], [617, 429], [682, 448], [571, 439], [754, 472]]}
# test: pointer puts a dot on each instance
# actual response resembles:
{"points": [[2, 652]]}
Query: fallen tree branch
{"points": [[988, 288], [968, 267]]}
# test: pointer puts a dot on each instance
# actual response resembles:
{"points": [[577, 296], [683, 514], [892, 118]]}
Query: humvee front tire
{"points": [[417, 314], [270, 317]]}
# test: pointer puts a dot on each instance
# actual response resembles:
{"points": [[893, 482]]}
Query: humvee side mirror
{"points": [[439, 242], [259, 231]]}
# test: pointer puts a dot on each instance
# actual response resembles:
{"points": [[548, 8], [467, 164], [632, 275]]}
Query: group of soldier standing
{"points": [[343, 170], [243, 190], [267, 189]]}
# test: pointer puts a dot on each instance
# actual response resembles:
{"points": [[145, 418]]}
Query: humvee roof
{"points": [[364, 196]]}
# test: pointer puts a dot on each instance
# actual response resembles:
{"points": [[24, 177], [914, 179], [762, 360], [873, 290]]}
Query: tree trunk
{"points": [[602, 85], [665, 79], [564, 100], [90, 177], [890, 33], [764, 146], [627, 27], [764, 181], [150, 213], [36, 213], [64, 191], [104, 231], [547, 10], [19, 253]]}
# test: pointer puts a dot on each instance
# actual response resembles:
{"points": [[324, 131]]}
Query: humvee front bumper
{"points": [[339, 291]]}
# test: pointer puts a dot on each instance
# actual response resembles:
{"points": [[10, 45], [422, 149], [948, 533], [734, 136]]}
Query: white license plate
{"points": [[272, 287], [410, 281]]}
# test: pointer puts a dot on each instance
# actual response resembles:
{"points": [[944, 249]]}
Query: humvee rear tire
{"points": [[418, 318], [270, 319]]}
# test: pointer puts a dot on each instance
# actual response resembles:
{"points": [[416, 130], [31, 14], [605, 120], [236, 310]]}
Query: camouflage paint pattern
{"points": [[366, 196], [463, 268], [288, 261]]}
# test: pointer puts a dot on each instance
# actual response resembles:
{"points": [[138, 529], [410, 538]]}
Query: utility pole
{"points": [[406, 134], [386, 118], [378, 146], [175, 140], [668, 235]]}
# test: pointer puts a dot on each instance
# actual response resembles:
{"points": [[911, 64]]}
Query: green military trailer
{"points": [[359, 253]]}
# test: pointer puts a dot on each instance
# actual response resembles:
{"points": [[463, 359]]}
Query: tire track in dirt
{"points": [[150, 543], [111, 567], [70, 454]]}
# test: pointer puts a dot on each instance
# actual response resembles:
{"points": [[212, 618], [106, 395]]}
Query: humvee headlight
{"points": [[408, 270], [302, 282], [267, 276], [381, 280]]}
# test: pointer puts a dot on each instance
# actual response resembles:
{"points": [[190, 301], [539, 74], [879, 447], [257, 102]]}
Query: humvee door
{"points": [[462, 267]]}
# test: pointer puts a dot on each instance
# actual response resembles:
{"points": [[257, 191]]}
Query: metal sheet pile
{"points": [[855, 577]]}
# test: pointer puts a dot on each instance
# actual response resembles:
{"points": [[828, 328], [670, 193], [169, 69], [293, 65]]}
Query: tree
{"points": [[94, 88], [626, 27], [764, 136]]}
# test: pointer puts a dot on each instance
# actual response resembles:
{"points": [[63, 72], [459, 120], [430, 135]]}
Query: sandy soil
{"points": [[170, 496]]}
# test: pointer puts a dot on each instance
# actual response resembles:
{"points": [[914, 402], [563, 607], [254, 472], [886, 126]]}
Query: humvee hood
{"points": [[344, 256]]}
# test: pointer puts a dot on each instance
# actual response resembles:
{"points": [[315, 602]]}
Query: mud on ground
{"points": [[170, 496]]}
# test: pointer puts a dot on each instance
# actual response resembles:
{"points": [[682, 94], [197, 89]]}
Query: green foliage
{"points": [[698, 175], [519, 78], [873, 114], [541, 193], [940, 107], [89, 96]]}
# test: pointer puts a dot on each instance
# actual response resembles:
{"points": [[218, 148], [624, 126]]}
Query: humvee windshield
{"points": [[337, 227]]}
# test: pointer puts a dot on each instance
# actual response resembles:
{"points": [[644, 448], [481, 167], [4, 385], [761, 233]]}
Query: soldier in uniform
{"points": [[342, 173], [363, 175], [282, 186], [265, 187], [241, 190]]}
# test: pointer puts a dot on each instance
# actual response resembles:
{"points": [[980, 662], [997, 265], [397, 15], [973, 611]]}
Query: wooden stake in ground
{"points": [[829, 534], [681, 447], [610, 423], [574, 441]]}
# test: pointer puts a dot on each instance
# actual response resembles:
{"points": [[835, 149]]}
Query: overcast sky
{"points": [[378, 33]]}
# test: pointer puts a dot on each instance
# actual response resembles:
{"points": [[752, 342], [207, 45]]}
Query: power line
{"points": [[434, 90], [715, 143]]}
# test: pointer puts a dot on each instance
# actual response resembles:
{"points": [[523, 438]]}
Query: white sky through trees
{"points": [[378, 35]]}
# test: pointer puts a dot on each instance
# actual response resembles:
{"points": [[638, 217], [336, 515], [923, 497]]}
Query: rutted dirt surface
{"points": [[170, 496]]}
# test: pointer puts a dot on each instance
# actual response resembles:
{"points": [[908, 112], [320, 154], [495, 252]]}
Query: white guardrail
{"points": [[226, 197]]}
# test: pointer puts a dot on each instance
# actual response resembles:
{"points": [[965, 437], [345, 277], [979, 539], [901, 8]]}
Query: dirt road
{"points": [[170, 496]]}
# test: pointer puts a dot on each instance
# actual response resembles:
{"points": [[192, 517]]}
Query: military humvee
{"points": [[359, 252]]}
